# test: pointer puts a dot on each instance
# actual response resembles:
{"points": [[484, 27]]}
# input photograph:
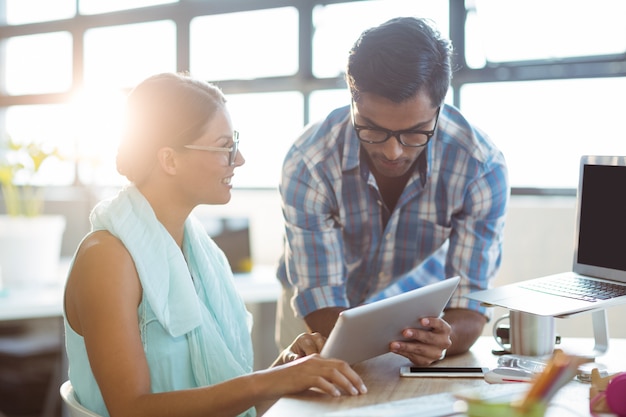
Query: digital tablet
{"points": [[365, 331]]}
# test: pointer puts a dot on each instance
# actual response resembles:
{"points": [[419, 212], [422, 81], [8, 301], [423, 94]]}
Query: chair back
{"points": [[74, 408]]}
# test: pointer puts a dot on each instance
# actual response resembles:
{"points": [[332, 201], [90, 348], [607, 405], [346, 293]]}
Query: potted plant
{"points": [[30, 242]]}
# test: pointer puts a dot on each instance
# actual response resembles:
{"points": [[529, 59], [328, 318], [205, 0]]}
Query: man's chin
{"points": [[391, 170]]}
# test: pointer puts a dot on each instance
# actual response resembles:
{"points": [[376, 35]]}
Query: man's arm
{"points": [[323, 320], [467, 325]]}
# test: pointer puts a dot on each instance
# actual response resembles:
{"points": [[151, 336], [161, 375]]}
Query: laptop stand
{"points": [[600, 333]]}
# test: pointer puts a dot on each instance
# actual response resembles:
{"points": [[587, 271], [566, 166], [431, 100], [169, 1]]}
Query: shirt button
{"points": [[382, 275], [380, 203], [388, 236]]}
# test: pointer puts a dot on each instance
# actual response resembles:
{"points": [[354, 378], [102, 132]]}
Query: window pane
{"points": [[122, 56], [512, 30], [265, 136], [49, 124], [39, 63], [331, 46], [100, 6], [98, 124], [245, 45], [29, 11], [323, 102], [543, 127]]}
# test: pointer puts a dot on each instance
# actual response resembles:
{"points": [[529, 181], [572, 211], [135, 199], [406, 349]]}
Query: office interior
{"points": [[544, 79]]}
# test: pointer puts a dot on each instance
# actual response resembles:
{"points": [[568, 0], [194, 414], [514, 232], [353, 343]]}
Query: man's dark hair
{"points": [[399, 59]]}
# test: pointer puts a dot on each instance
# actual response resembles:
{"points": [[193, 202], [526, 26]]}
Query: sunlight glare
{"points": [[99, 121]]}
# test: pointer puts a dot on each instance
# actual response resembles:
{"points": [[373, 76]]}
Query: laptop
{"points": [[598, 276], [365, 331]]}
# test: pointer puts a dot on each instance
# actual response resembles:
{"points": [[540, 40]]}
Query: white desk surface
{"points": [[31, 303], [258, 286]]}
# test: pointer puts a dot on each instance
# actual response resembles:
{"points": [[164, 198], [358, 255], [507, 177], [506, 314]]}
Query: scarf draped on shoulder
{"points": [[195, 297]]}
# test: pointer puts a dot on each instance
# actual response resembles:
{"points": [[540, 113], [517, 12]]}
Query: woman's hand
{"points": [[305, 344], [300, 367], [332, 376]]}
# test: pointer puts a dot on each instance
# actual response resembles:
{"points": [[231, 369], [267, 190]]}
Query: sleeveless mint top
{"points": [[195, 331]]}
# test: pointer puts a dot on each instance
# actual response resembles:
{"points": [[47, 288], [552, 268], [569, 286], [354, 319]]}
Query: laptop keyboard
{"points": [[580, 288]]}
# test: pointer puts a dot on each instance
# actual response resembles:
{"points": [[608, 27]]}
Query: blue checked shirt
{"points": [[448, 220]]}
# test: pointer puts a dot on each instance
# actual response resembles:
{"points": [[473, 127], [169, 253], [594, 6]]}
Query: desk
{"points": [[258, 286], [382, 378], [259, 289], [31, 303]]}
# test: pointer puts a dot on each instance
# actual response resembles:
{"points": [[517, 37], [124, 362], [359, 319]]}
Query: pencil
{"points": [[545, 379]]}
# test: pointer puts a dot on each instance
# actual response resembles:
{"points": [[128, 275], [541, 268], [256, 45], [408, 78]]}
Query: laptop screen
{"points": [[601, 239]]}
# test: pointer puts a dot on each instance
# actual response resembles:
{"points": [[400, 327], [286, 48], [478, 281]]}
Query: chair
{"points": [[74, 408], [31, 355]]}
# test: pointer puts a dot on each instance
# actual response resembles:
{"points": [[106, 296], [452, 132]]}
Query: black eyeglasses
{"points": [[411, 137], [232, 149]]}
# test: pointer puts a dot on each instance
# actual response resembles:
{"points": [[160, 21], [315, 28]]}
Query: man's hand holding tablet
{"points": [[368, 330]]}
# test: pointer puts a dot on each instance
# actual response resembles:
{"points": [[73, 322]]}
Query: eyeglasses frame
{"points": [[395, 133], [232, 149]]}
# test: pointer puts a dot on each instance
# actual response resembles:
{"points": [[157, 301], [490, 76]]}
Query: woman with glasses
{"points": [[390, 193], [154, 326]]}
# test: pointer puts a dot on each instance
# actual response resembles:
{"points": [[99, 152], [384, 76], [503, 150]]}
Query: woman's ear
{"points": [[167, 158]]}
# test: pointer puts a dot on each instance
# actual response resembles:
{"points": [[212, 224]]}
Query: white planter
{"points": [[30, 250]]}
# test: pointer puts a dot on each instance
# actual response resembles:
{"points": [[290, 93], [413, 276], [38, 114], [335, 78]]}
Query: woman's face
{"points": [[206, 173]]}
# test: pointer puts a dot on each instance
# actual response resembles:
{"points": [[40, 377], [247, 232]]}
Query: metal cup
{"points": [[529, 334]]}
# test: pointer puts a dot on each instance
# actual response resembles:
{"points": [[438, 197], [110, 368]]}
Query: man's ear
{"points": [[167, 158]]}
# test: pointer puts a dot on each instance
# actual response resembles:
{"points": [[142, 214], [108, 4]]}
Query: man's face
{"points": [[391, 158]]}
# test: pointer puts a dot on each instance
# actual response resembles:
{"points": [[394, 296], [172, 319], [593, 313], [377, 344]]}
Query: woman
{"points": [[153, 324]]}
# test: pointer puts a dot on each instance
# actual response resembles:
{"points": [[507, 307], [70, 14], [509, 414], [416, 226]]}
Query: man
{"points": [[392, 193]]}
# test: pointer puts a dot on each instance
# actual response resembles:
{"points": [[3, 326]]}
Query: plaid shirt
{"points": [[448, 220]]}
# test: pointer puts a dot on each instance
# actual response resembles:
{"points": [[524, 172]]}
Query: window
{"points": [[543, 79], [96, 127], [543, 127], [52, 125], [267, 124], [122, 56], [518, 30], [337, 27], [38, 63], [321, 103], [245, 45], [544, 83], [99, 6], [28, 11]]}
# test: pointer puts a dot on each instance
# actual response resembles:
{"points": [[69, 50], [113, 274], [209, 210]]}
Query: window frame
{"points": [[303, 81]]}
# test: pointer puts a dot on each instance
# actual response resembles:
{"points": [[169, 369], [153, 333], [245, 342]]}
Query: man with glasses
{"points": [[394, 192]]}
